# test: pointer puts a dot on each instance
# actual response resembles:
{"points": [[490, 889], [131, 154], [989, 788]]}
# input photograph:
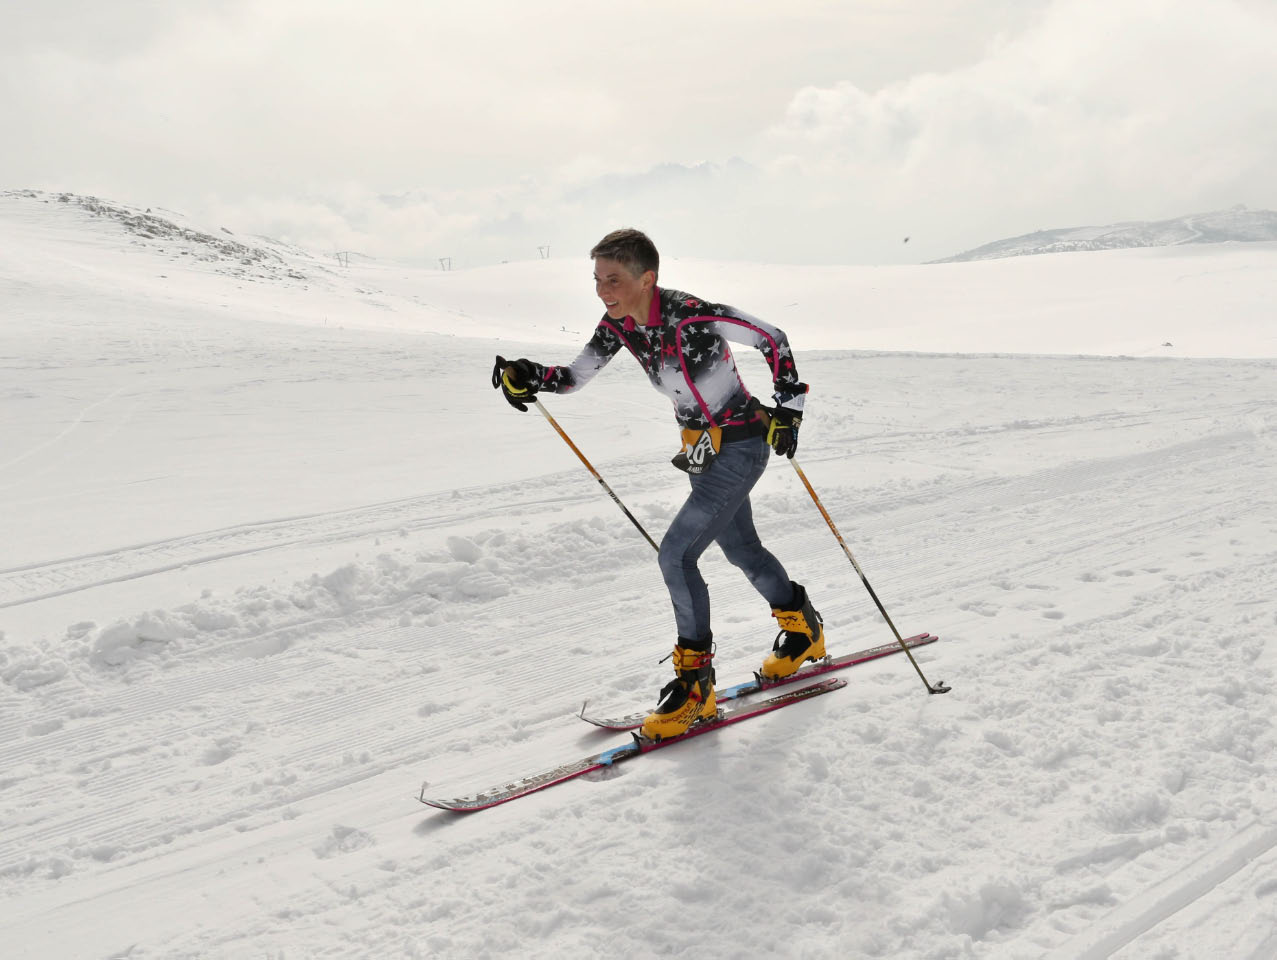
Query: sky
{"points": [[803, 132]]}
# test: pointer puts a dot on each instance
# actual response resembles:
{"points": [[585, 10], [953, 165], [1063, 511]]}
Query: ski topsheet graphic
{"points": [[734, 712]]}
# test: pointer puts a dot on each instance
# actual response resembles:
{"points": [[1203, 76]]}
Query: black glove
{"points": [[782, 432], [787, 417], [517, 380]]}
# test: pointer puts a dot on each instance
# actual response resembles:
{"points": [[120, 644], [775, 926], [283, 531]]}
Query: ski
{"points": [[827, 665], [733, 713]]}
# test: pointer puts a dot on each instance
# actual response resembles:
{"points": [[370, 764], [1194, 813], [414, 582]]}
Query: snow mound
{"points": [[25, 670], [428, 587]]}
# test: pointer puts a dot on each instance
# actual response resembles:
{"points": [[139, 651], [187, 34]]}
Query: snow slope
{"points": [[274, 553], [1237, 225]]}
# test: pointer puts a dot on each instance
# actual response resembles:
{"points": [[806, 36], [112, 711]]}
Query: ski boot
{"points": [[688, 697], [804, 637]]}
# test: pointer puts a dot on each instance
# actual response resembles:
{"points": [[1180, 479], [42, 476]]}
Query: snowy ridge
{"points": [[263, 576], [1237, 225], [265, 258]]}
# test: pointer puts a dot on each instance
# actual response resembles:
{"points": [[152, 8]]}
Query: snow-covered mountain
{"points": [[170, 233], [273, 552], [1224, 226]]}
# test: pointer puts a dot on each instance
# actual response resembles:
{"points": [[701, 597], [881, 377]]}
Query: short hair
{"points": [[631, 248]]}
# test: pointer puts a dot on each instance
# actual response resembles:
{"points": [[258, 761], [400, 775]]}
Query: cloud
{"points": [[483, 131], [1101, 110], [96, 31], [1097, 111]]}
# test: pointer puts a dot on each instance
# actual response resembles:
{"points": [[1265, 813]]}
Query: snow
{"points": [[1221, 226], [275, 553]]}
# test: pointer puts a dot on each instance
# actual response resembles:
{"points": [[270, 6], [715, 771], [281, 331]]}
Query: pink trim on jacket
{"points": [[765, 335], [682, 362], [612, 327]]}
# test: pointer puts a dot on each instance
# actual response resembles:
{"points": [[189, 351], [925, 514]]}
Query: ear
{"points": [[648, 280]]}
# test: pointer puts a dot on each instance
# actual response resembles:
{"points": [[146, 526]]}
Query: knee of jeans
{"points": [[672, 558], [742, 555], [665, 557]]}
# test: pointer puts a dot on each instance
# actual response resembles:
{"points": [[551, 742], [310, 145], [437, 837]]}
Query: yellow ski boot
{"points": [[804, 637], [685, 699]]}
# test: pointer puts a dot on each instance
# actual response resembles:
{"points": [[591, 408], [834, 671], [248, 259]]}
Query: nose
{"points": [[598, 289]]}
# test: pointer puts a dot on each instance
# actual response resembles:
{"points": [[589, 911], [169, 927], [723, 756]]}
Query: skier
{"points": [[679, 340]]}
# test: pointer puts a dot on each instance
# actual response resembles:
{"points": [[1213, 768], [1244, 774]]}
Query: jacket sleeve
{"points": [[594, 356], [771, 342]]}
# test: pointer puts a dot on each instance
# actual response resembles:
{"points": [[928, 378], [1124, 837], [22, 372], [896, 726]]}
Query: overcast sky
{"points": [[794, 131]]}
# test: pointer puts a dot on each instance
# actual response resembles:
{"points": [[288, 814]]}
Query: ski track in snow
{"points": [[148, 770], [233, 774], [40, 581]]}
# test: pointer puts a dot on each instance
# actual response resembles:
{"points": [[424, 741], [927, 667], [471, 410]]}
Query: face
{"points": [[622, 293]]}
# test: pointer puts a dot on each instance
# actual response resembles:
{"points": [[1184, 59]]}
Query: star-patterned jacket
{"points": [[683, 348]]}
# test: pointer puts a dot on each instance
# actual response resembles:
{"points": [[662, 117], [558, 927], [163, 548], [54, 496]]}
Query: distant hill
{"points": [[164, 232], [1237, 224]]}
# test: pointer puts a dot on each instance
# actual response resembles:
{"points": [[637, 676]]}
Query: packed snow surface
{"points": [[275, 553]]}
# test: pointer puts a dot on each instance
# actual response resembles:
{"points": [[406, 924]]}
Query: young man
{"points": [[680, 341]]}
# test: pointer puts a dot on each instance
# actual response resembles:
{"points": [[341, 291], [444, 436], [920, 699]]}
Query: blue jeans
{"points": [[718, 511]]}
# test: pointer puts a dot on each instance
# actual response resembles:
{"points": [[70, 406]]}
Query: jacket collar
{"points": [[653, 313]]}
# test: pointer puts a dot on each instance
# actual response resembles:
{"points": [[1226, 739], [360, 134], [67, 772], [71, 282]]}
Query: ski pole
{"points": [[602, 483], [936, 688]]}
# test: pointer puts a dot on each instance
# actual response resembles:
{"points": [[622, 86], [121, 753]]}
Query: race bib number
{"points": [[700, 447]]}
